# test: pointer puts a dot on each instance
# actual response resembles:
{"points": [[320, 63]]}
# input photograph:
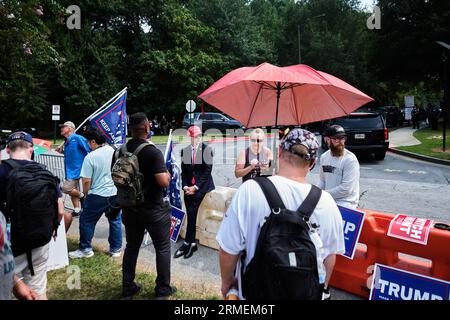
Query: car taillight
{"points": [[386, 134]]}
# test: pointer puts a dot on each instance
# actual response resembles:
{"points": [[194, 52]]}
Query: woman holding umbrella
{"points": [[252, 160]]}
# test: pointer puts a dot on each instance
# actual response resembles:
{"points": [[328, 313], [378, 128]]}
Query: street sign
{"points": [[55, 117], [56, 108], [409, 101], [190, 106]]}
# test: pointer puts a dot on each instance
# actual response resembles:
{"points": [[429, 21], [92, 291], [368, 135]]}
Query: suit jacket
{"points": [[200, 170]]}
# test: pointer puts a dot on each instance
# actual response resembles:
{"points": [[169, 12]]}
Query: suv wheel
{"points": [[380, 155]]}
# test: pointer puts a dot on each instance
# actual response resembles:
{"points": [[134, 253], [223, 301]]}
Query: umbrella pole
{"points": [[275, 152]]}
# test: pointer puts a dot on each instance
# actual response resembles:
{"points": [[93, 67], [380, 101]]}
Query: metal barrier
{"points": [[54, 163]]}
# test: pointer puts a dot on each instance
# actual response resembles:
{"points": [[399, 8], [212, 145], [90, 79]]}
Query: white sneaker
{"points": [[80, 254], [326, 295], [115, 254]]}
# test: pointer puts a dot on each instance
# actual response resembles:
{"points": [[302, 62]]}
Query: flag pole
{"points": [[101, 108]]}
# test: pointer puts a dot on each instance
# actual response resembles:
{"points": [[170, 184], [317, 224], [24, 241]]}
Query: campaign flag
{"points": [[174, 190], [353, 222], [112, 120], [176, 222], [394, 284], [410, 228]]}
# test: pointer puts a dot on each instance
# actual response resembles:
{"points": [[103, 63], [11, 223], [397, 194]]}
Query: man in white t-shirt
{"points": [[240, 227], [339, 169], [101, 197]]}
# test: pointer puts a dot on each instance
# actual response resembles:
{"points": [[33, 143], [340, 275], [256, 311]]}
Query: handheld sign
{"points": [[353, 222], [411, 229], [394, 284], [176, 223]]}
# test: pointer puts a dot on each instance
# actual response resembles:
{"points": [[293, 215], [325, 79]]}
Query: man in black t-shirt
{"points": [[153, 215]]}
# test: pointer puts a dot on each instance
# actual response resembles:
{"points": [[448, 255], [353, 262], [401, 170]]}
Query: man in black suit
{"points": [[196, 168]]}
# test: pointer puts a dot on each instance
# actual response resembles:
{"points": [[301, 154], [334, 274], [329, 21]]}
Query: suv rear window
{"points": [[361, 122]]}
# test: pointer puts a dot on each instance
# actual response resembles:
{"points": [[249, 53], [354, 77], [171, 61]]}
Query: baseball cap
{"points": [[301, 137], [20, 135], [335, 131], [194, 131], [67, 124]]}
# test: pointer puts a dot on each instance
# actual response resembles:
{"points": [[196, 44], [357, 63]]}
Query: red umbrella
{"points": [[268, 95]]}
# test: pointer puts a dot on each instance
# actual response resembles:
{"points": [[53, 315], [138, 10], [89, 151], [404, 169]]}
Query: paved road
{"points": [[396, 184]]}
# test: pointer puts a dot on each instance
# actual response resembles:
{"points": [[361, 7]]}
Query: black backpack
{"points": [[284, 266], [31, 207]]}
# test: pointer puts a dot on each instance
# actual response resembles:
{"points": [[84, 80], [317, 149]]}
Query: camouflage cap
{"points": [[304, 138]]}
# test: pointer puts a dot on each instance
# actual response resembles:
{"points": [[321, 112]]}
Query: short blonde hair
{"points": [[258, 131]]}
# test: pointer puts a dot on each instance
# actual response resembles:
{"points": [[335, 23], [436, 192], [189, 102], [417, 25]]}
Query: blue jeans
{"points": [[93, 208]]}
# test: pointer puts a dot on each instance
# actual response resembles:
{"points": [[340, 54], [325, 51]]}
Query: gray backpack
{"points": [[127, 177]]}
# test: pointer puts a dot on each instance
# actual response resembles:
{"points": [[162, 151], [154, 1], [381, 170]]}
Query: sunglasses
{"points": [[257, 140], [339, 138]]}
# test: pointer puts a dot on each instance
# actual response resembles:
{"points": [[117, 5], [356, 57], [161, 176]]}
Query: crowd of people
{"points": [[127, 185]]}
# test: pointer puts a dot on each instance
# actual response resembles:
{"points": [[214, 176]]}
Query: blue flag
{"points": [[112, 120], [174, 190]]}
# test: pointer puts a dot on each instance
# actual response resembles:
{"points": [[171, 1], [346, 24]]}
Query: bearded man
{"points": [[339, 169]]}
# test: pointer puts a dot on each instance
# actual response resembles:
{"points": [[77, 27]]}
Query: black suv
{"points": [[366, 133], [211, 120]]}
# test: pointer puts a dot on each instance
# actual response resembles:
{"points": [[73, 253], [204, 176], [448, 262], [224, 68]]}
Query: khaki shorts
{"points": [[38, 282], [70, 184]]}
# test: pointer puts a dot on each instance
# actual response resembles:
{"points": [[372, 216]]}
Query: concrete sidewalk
{"points": [[404, 137]]}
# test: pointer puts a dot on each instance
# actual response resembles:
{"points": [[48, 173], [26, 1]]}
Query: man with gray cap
{"points": [[241, 224], [339, 169], [75, 149]]}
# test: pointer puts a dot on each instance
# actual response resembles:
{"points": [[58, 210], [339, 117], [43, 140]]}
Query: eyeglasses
{"points": [[257, 140]]}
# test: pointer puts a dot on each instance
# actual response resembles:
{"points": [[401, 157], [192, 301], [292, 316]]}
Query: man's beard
{"points": [[337, 151]]}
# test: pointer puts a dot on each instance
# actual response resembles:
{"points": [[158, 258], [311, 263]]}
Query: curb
{"points": [[419, 156]]}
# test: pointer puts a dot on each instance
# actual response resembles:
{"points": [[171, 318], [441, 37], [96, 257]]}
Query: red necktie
{"points": [[193, 163]]}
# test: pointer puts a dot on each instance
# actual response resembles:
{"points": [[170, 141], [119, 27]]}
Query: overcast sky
{"points": [[367, 3]]}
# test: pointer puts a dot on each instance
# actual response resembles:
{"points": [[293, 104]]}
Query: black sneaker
{"points": [[76, 214], [129, 293], [164, 294]]}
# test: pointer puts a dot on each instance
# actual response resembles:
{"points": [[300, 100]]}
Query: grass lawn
{"points": [[101, 279], [431, 144], [156, 139]]}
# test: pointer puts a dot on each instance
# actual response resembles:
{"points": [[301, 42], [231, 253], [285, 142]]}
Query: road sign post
{"points": [[56, 110], [190, 107]]}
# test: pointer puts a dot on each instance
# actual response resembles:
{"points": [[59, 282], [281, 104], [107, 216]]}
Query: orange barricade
{"points": [[431, 260]]}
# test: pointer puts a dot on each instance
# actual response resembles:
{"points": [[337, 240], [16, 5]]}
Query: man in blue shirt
{"points": [[100, 197], [75, 149]]}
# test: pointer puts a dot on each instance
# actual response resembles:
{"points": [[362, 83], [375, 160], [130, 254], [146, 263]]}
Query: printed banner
{"points": [[353, 223], [176, 223], [410, 228], [112, 120], [394, 284]]}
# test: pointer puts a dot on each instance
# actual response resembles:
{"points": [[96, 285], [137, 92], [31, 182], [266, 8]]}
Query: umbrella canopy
{"points": [[268, 95]]}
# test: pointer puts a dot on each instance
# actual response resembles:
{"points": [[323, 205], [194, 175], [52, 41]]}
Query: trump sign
{"points": [[177, 219]]}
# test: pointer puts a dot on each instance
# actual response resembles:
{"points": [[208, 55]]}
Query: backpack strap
{"points": [[271, 193], [30, 262], [140, 147], [12, 163], [309, 204]]}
